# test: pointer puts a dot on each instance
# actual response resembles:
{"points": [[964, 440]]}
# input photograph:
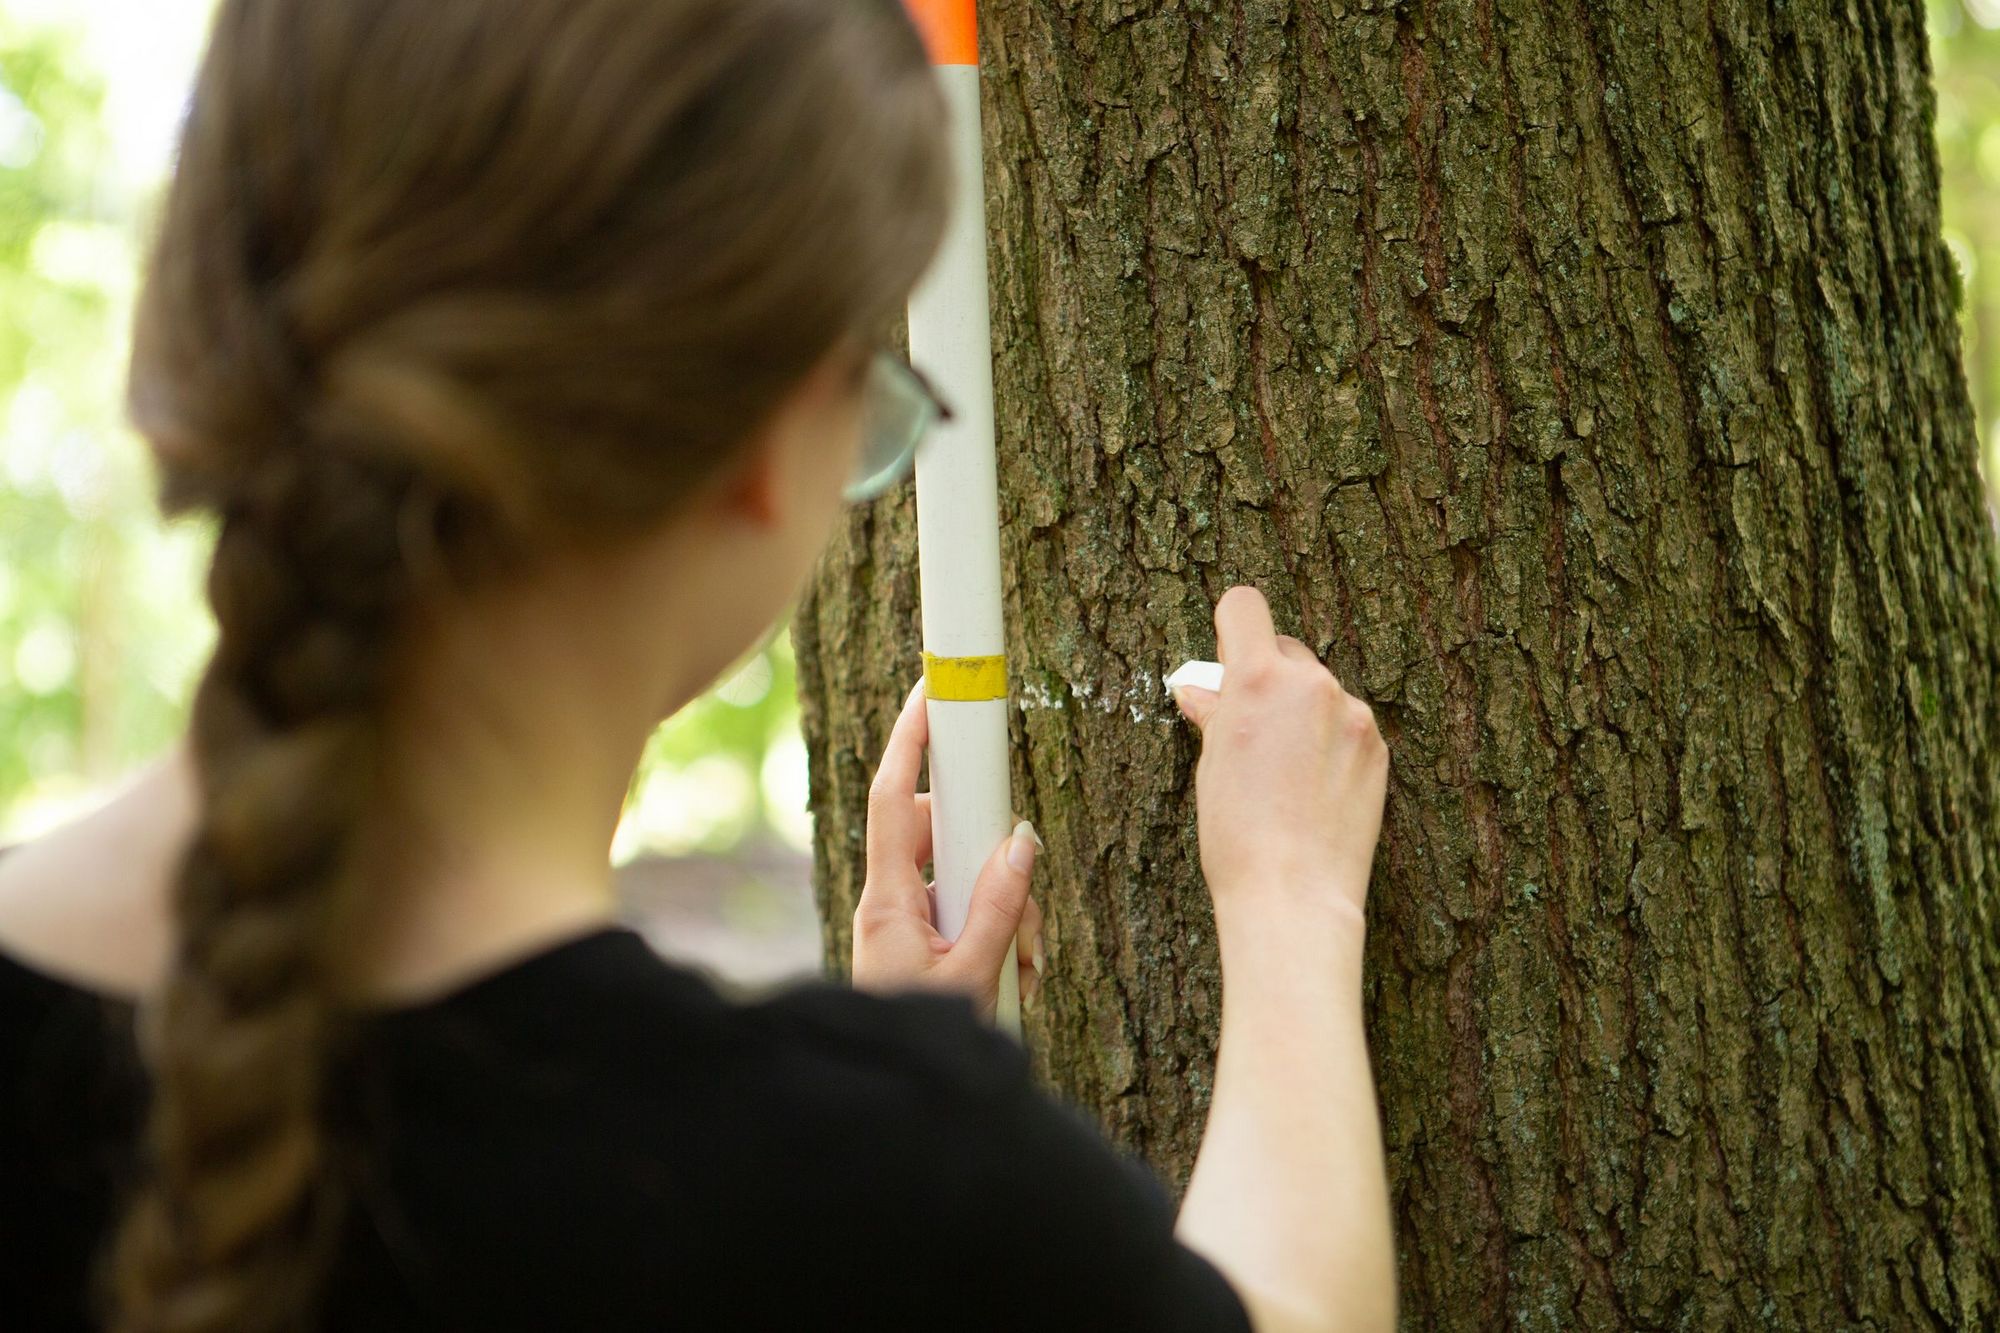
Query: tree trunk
{"points": [[1580, 379]]}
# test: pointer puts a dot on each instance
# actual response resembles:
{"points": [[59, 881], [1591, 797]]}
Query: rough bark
{"points": [[1580, 378]]}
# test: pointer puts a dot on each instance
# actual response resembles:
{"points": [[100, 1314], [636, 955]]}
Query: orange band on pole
{"points": [[950, 29]]}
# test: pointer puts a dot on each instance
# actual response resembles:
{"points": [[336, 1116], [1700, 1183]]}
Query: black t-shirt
{"points": [[596, 1139]]}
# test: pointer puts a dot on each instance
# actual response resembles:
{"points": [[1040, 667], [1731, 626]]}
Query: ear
{"points": [[753, 491], [782, 461]]}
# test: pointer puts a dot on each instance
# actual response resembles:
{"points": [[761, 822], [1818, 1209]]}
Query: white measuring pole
{"points": [[958, 514]]}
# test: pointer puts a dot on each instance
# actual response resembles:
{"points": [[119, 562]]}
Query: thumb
{"points": [[1196, 703], [999, 897]]}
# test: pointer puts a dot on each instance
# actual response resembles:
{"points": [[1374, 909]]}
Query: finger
{"points": [[1029, 933], [893, 824], [903, 755], [1244, 635], [1297, 651], [924, 851], [999, 901], [1028, 949], [1291, 648], [1196, 703]]}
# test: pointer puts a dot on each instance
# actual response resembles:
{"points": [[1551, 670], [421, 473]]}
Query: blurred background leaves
{"points": [[1965, 55], [102, 626]]}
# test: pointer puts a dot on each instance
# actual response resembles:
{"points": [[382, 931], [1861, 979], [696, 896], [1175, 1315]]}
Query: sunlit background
{"points": [[102, 626]]}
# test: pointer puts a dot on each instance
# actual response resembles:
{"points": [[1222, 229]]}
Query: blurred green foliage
{"points": [[102, 624], [1965, 54], [95, 644]]}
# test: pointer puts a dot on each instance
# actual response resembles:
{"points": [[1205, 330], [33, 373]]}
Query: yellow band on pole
{"points": [[965, 679]]}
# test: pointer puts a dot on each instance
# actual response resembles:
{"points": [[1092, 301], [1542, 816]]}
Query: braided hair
{"points": [[439, 286]]}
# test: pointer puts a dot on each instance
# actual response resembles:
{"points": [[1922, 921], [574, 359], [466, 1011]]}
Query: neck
{"points": [[507, 761]]}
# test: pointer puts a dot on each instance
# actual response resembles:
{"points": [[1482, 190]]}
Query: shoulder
{"points": [[673, 1036], [669, 1148], [47, 1026], [956, 1150], [885, 1095], [934, 1039], [920, 1077], [87, 902]]}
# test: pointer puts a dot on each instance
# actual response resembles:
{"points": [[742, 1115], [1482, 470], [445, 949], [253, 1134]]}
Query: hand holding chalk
{"points": [[1288, 795]]}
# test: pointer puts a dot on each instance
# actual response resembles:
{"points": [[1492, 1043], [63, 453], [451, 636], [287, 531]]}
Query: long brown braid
{"points": [[439, 285]]}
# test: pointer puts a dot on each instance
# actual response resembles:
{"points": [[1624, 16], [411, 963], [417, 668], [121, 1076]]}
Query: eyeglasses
{"points": [[899, 410]]}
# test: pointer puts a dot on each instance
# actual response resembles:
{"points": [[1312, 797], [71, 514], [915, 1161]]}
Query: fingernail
{"points": [[1037, 958], [1022, 846]]}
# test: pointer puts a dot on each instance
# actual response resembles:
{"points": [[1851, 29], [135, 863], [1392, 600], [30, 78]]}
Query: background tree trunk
{"points": [[1580, 378]]}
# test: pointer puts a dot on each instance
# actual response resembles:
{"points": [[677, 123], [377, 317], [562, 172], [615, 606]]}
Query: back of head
{"points": [[440, 285]]}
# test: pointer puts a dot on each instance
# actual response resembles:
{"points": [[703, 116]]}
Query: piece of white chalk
{"points": [[1201, 675]]}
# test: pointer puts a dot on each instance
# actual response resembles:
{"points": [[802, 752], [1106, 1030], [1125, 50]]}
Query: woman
{"points": [[524, 350]]}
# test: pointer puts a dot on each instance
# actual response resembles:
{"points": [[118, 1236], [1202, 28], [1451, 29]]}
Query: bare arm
{"points": [[1289, 1197]]}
